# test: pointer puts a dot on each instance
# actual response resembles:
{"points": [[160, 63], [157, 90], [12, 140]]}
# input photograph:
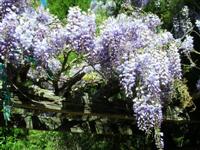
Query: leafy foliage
{"points": [[60, 7], [165, 9], [181, 93], [19, 139]]}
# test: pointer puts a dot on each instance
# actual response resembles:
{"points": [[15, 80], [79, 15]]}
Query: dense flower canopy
{"points": [[133, 48]]}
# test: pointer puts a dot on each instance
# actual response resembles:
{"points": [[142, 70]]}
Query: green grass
{"points": [[19, 139]]}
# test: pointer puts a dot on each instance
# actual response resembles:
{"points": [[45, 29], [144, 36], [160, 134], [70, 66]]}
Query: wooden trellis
{"points": [[96, 118]]}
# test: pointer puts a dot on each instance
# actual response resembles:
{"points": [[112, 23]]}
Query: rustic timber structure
{"points": [[97, 118]]}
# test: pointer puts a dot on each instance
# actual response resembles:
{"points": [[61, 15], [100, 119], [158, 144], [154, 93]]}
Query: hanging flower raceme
{"points": [[9, 46], [182, 22], [146, 61], [81, 28], [187, 44]]}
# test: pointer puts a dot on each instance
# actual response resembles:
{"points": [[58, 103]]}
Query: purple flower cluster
{"points": [[81, 28], [120, 35], [7, 6], [9, 46], [147, 63], [148, 115], [98, 6], [175, 61], [152, 21], [182, 23], [198, 85], [30, 33], [148, 105], [39, 34], [188, 44], [128, 74], [198, 24]]}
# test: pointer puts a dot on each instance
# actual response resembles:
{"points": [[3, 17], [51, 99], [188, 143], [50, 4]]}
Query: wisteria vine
{"points": [[133, 48]]}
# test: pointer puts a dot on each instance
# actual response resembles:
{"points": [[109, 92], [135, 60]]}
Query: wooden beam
{"points": [[77, 118], [75, 122], [114, 117]]}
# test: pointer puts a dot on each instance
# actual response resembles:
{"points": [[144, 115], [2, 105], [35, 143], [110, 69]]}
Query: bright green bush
{"points": [[19, 139], [60, 7]]}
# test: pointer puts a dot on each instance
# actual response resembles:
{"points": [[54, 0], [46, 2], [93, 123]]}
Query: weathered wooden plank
{"points": [[48, 115], [35, 108], [82, 115], [31, 116], [77, 122], [120, 109]]}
